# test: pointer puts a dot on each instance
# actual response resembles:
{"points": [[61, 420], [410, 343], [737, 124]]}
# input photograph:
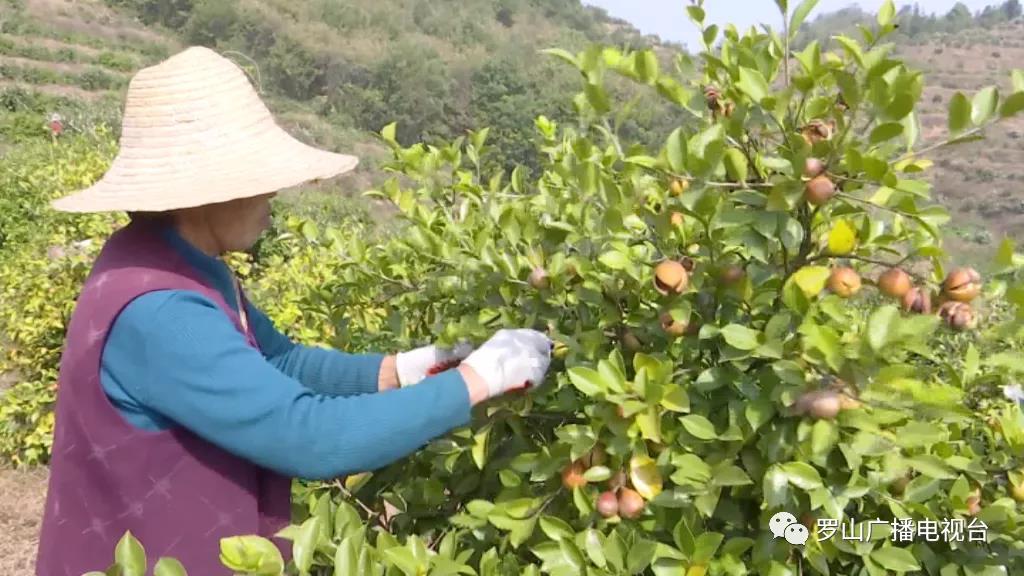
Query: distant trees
{"points": [[913, 21]]}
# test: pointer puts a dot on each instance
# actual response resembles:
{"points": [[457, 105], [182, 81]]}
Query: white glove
{"points": [[415, 365], [512, 359]]}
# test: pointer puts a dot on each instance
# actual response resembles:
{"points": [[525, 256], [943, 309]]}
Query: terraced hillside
{"points": [[982, 182]]}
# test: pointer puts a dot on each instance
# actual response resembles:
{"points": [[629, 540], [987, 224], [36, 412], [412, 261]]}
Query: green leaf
{"points": [[985, 105], [587, 380], [886, 131], [895, 559], [479, 451], [676, 399], [775, 487], [886, 14], [799, 15], [169, 567], [640, 555], [812, 279], [130, 556], [403, 559], [736, 165], [346, 558], [730, 475], [597, 97], [696, 14], [614, 260], [880, 326], [931, 466], [675, 149], [594, 546], [563, 55], [304, 547], [1017, 79], [706, 546], [388, 132], [802, 475], [699, 427], [753, 84], [741, 337], [597, 474], [646, 65], [1013, 105], [852, 48], [959, 113], [556, 528], [251, 555], [901, 105]]}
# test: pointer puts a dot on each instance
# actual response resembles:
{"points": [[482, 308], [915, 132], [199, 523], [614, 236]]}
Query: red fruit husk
{"points": [[442, 366]]}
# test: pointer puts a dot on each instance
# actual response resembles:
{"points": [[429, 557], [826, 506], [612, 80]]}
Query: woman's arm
{"points": [[322, 369], [202, 375]]}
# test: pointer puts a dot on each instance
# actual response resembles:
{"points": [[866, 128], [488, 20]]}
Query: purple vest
{"points": [[178, 494]]}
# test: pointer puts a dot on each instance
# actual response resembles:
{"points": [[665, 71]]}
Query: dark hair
{"points": [[147, 216]]}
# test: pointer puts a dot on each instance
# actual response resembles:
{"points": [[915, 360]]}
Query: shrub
{"points": [[116, 61]]}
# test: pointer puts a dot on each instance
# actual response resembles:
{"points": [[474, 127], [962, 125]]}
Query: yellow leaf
{"points": [[697, 570], [812, 279], [356, 481], [643, 473], [842, 239]]}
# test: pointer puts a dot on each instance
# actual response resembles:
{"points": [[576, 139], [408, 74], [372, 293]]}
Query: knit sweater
{"points": [[173, 358]]}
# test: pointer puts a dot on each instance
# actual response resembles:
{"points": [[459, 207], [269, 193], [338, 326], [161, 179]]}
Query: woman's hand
{"points": [[415, 365], [510, 360]]}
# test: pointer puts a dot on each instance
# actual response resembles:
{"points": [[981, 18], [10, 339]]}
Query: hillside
{"points": [[334, 76]]}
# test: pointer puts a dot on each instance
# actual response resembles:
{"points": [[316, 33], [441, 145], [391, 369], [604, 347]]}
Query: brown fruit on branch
{"points": [[894, 283], [974, 504], [539, 278], [847, 402], [957, 315], [670, 277], [596, 456], [917, 301], [1017, 492], [813, 167], [572, 476], [820, 404], [678, 187], [900, 485], [631, 503], [732, 274], [962, 285], [608, 504], [816, 130], [671, 326], [712, 96], [631, 342], [819, 190], [618, 480], [844, 282]]}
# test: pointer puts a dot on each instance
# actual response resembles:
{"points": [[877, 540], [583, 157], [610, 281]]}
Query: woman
{"points": [[182, 413]]}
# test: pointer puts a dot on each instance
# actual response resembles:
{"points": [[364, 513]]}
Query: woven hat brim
{"points": [[278, 163]]}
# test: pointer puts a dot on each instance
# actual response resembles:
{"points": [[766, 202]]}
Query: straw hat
{"points": [[195, 132]]}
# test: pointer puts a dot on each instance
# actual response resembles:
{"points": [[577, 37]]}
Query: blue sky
{"points": [[667, 18]]}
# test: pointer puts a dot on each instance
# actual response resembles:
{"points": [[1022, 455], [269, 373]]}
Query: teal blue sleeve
{"points": [[176, 355], [321, 369]]}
